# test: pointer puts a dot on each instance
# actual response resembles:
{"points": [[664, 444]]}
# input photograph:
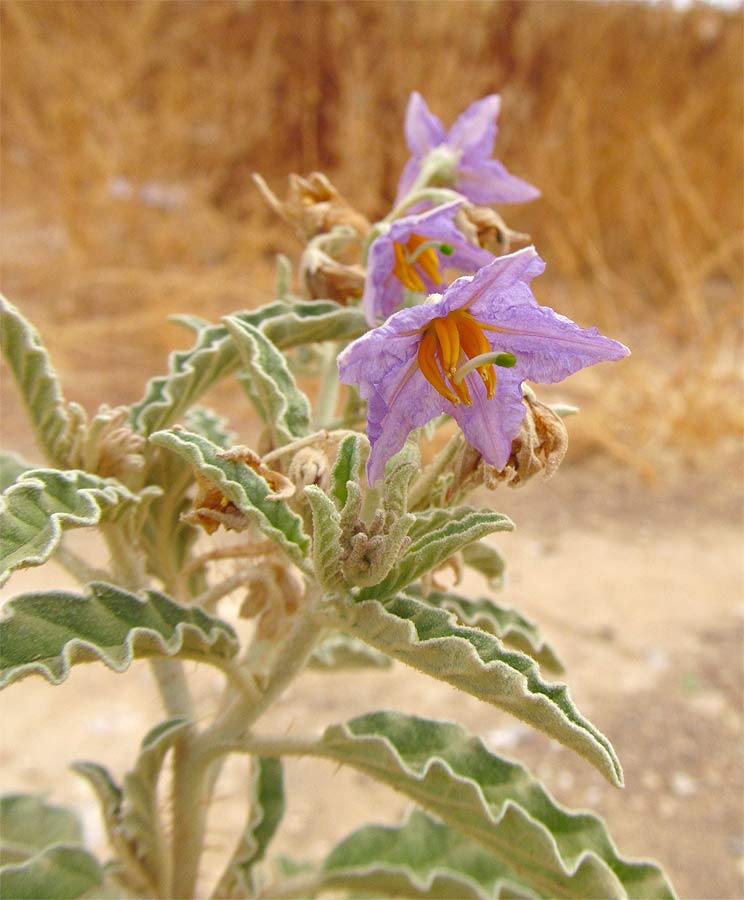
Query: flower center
{"points": [[446, 345], [417, 255]]}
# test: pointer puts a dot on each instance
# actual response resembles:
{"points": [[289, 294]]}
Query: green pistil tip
{"points": [[505, 360], [446, 249]]}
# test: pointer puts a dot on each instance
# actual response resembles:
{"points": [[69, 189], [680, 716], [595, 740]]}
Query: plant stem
{"points": [[423, 485]]}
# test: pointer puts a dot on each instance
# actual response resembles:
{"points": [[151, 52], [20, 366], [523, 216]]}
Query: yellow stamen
{"points": [[449, 342], [428, 364], [407, 259]]}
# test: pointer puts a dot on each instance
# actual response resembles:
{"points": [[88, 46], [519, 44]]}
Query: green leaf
{"points": [[540, 844], [266, 812], [244, 487], [486, 559], [30, 824], [434, 539], [431, 641], [215, 355], [46, 633], [212, 426], [37, 381], [339, 651], [272, 388], [422, 858], [350, 457], [326, 539], [57, 873], [502, 621], [11, 468], [43, 502], [398, 474]]}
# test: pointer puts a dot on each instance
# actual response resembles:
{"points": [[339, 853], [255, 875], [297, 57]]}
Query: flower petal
{"points": [[488, 181], [474, 130], [383, 293], [423, 129], [491, 425]]}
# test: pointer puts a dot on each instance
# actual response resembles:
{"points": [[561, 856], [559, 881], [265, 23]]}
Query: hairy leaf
{"points": [[326, 539], [243, 487], [540, 844], [270, 384], [215, 355], [57, 873], [11, 467], [208, 423], [46, 633], [339, 651], [266, 812], [486, 559], [43, 502], [30, 824], [37, 381], [350, 457], [435, 539], [421, 858], [431, 641], [398, 474], [504, 622]]}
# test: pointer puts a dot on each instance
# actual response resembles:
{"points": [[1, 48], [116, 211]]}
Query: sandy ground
{"points": [[639, 588]]}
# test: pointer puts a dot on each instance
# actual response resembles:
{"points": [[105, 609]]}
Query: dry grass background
{"points": [[130, 130]]}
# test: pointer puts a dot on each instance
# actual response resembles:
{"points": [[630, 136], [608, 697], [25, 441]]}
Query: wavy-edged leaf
{"points": [[434, 538], [498, 804], [12, 466], [267, 804], [36, 509], [270, 385], [57, 873], [431, 641], [326, 538], [339, 651], [399, 471], [350, 457], [207, 422], [486, 559], [510, 626], [30, 824], [37, 381], [421, 858], [214, 355], [47, 632], [241, 485]]}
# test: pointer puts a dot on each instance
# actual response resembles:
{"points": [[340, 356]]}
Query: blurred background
{"points": [[130, 132]]}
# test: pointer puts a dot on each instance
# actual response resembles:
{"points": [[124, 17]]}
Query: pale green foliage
{"points": [[210, 425], [431, 641], [486, 559], [57, 873], [11, 467], [241, 485], [339, 651], [46, 633], [42, 503], [327, 535], [29, 824]]}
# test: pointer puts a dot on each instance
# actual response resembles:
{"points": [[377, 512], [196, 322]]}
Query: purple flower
{"points": [[463, 154], [415, 367], [411, 254]]}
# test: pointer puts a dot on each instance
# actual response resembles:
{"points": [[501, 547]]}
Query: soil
{"points": [[640, 590]]}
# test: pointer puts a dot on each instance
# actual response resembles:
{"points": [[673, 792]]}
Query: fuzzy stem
{"points": [[422, 487]]}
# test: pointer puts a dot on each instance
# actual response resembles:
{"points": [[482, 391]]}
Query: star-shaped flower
{"points": [[411, 254], [466, 352], [461, 157]]}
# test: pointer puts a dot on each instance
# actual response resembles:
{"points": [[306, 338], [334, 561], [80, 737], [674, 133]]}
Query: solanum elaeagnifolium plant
{"points": [[423, 331]]}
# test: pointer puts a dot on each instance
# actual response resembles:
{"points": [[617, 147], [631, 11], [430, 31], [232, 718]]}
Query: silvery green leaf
{"points": [[37, 380], [431, 641], [421, 858], [434, 538], [486, 559], [510, 626], [272, 388], [542, 846], [208, 423], [57, 873], [11, 468], [214, 356], [399, 471], [266, 800], [47, 632], [243, 487], [339, 651], [350, 457], [326, 539], [42, 503], [30, 824]]}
